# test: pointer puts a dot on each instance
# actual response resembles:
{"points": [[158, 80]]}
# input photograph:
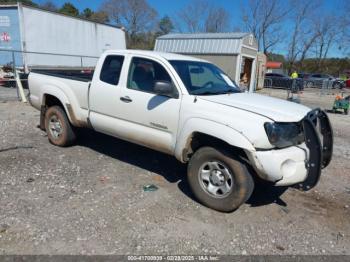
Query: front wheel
{"points": [[218, 180]]}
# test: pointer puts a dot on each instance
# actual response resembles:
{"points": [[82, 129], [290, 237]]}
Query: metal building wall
{"points": [[226, 62], [10, 38], [249, 40], [249, 52], [48, 32], [199, 46]]}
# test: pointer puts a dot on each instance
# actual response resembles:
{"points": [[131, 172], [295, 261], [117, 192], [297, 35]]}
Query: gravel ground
{"points": [[88, 199]]}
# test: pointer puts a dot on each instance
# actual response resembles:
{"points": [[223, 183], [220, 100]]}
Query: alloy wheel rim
{"points": [[216, 179], [55, 127]]}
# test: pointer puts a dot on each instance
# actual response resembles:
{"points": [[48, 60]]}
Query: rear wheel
{"points": [[346, 111], [58, 128], [218, 180]]}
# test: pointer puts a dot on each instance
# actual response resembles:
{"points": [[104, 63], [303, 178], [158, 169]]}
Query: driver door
{"points": [[148, 119]]}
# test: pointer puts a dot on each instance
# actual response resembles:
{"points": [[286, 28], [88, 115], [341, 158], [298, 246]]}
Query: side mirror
{"points": [[165, 88]]}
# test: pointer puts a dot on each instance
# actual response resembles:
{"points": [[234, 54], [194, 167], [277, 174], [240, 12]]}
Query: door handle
{"points": [[126, 99]]}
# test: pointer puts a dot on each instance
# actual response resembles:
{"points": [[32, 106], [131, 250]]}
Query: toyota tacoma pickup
{"points": [[191, 109]]}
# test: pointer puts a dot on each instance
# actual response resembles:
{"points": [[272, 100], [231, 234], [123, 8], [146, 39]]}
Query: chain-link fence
{"points": [[294, 87], [16, 65], [325, 86], [283, 83]]}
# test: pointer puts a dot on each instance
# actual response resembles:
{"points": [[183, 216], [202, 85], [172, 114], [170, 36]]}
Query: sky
{"points": [[170, 7]]}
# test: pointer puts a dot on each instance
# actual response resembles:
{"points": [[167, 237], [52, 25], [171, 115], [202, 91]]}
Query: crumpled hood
{"points": [[276, 109]]}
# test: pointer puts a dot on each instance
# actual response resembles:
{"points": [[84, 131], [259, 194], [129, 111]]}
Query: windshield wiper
{"points": [[229, 91], [217, 92]]}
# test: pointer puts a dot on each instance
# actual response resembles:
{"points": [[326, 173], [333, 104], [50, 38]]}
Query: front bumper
{"points": [[319, 140], [300, 164]]}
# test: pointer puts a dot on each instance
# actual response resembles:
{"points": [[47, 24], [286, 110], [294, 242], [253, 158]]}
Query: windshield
{"points": [[201, 78]]}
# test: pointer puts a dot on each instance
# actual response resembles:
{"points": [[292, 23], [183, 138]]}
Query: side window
{"points": [[143, 74], [111, 69]]}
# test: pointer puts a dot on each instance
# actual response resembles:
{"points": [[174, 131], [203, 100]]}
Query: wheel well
{"points": [[199, 140], [50, 100]]}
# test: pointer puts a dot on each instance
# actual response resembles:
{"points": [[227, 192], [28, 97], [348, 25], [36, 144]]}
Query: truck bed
{"points": [[78, 75], [64, 84]]}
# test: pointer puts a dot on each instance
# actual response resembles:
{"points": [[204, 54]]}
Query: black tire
{"points": [[242, 186], [66, 136], [346, 111]]}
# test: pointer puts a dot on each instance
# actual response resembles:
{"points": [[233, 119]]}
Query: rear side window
{"points": [[111, 69]]}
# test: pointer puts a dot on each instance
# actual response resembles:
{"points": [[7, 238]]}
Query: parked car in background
{"points": [[277, 80], [303, 76], [316, 80]]}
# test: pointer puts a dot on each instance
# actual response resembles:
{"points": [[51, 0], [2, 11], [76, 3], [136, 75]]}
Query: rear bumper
{"points": [[300, 164]]}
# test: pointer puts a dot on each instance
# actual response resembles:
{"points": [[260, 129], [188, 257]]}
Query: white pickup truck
{"points": [[189, 108]]}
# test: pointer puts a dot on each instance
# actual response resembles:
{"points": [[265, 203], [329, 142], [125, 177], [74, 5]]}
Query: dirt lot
{"points": [[88, 199]]}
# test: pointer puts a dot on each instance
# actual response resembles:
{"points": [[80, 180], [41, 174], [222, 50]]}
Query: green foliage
{"points": [[332, 66], [69, 9], [87, 13], [143, 41], [165, 25], [100, 17]]}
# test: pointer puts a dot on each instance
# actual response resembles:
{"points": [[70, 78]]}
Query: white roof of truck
{"points": [[156, 54]]}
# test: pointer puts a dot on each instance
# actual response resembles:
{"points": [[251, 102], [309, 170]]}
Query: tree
{"points": [[100, 17], [307, 43], [69, 9], [137, 16], [193, 15], [87, 13], [217, 20], [327, 33], [165, 25], [264, 18], [303, 35], [202, 16], [49, 5]]}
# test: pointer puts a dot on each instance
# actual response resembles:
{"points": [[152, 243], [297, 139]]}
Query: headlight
{"points": [[284, 134]]}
